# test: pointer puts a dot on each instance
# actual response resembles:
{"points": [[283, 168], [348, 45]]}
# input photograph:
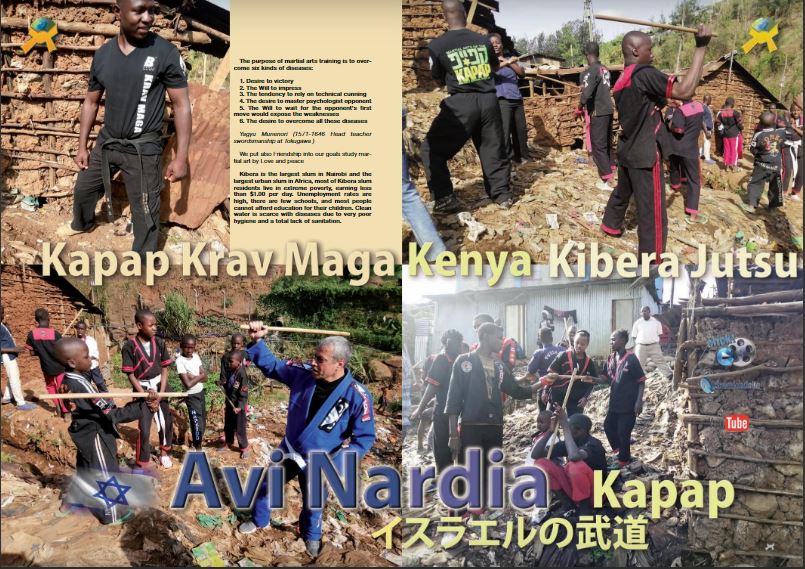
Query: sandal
{"points": [[700, 218]]}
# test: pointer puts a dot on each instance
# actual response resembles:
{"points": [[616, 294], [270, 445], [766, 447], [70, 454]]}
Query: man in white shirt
{"points": [[95, 372], [646, 333]]}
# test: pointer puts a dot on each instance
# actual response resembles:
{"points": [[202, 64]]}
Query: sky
{"points": [[527, 18], [414, 288]]}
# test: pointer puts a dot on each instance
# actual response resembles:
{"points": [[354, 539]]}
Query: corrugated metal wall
{"points": [[592, 302]]}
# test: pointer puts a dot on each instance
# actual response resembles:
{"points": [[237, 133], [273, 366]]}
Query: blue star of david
{"points": [[113, 483]]}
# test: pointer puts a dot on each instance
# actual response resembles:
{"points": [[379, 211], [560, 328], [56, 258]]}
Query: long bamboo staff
{"points": [[564, 406], [107, 395], [647, 23], [299, 330]]}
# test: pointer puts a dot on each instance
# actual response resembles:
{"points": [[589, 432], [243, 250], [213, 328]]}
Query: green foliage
{"points": [[196, 63], [371, 313], [566, 43], [730, 19], [220, 324], [177, 318]]}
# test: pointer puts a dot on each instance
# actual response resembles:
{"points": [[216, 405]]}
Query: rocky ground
{"points": [[562, 182], [24, 232], [37, 460], [659, 454]]}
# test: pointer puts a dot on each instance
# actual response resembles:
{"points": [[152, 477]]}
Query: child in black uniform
{"points": [[767, 148], [94, 421], [146, 361], [685, 122], [235, 383]]}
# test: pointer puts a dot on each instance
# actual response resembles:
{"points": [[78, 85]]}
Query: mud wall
{"points": [[24, 290], [764, 524], [422, 20], [42, 91]]}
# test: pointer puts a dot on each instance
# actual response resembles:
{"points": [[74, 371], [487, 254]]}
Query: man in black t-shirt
{"points": [[437, 382], [135, 70], [639, 92], [465, 62], [596, 101]]}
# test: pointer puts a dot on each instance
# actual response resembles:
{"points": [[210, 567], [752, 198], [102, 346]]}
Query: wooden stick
{"points": [[299, 330], [74, 320], [750, 519], [45, 163], [745, 372], [109, 30], [701, 452], [780, 296], [12, 45], [108, 395], [76, 70], [647, 23], [772, 554], [767, 491], [564, 406], [749, 309], [12, 95], [718, 419]]}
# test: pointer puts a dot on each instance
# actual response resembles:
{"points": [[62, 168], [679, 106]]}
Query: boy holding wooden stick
{"points": [[146, 361], [235, 383], [94, 421], [639, 92]]}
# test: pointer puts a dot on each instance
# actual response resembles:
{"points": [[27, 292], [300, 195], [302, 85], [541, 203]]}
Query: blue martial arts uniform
{"points": [[347, 413]]}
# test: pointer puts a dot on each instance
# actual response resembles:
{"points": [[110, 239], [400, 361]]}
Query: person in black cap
{"points": [[465, 62]]}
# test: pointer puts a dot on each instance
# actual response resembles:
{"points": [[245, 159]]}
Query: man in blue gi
{"points": [[328, 410]]}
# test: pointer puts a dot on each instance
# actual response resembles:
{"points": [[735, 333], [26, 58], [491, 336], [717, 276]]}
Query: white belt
{"points": [[293, 455], [152, 383]]}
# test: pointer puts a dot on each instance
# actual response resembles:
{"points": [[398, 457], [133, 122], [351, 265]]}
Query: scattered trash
{"points": [[207, 556], [590, 217], [246, 562], [553, 220], [208, 521], [475, 229], [29, 203]]}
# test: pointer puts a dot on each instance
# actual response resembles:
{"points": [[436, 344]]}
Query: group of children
{"points": [[71, 364]]}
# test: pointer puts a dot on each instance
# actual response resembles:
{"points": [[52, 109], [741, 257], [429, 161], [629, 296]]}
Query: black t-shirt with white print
{"points": [[135, 86]]}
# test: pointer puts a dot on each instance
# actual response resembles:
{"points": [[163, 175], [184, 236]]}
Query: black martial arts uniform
{"points": [[145, 361], [564, 364], [639, 92], [625, 374], [767, 147], [464, 61], [596, 100], [130, 140], [236, 392], [686, 123], [474, 396], [94, 431], [439, 376]]}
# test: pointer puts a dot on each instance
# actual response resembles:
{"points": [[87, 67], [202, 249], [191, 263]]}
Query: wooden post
{"points": [[471, 13], [220, 74], [47, 80], [530, 87]]}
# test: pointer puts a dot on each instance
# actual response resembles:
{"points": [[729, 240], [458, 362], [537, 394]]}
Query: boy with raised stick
{"points": [[639, 92]]}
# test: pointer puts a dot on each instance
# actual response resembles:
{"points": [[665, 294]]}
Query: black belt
{"points": [[106, 176]]}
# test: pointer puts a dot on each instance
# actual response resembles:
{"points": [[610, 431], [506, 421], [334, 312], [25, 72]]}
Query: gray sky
{"points": [[527, 18]]}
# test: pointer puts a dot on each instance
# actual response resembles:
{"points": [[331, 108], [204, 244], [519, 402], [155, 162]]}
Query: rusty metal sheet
{"points": [[190, 202]]}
